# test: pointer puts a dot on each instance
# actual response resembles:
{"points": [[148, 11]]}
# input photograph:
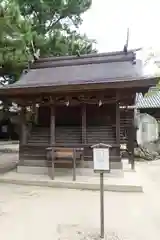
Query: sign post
{"points": [[101, 205], [101, 165]]}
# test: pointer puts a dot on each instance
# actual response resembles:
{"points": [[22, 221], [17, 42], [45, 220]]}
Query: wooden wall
{"points": [[126, 120], [100, 127]]}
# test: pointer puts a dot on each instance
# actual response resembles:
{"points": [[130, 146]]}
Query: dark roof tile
{"points": [[81, 70], [87, 69]]}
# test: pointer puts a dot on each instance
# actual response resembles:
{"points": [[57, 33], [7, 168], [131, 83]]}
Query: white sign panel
{"points": [[101, 159]]}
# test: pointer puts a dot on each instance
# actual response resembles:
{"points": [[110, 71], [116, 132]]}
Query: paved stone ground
{"points": [[28, 212]]}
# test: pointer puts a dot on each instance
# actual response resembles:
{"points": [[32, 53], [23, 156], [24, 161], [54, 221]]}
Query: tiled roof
{"points": [[74, 73], [92, 68], [151, 100]]}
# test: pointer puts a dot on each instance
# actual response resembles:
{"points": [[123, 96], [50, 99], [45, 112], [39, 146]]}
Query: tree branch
{"points": [[4, 80], [53, 23]]}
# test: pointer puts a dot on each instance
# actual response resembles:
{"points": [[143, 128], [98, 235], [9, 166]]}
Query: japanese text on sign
{"points": [[101, 159]]}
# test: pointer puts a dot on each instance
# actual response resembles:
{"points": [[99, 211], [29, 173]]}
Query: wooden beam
{"points": [[84, 124], [52, 126]]}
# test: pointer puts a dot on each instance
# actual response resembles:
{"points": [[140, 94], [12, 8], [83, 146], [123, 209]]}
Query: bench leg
{"points": [[74, 165]]}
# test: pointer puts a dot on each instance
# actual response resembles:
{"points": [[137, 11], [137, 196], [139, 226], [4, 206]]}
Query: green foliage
{"points": [[48, 13], [46, 25], [14, 45]]}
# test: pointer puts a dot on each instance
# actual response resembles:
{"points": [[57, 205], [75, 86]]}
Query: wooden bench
{"points": [[64, 155]]}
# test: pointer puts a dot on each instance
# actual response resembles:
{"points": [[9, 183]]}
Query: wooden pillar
{"points": [[118, 127], [52, 126], [23, 135], [117, 122], [84, 130], [131, 143], [35, 113], [84, 124], [52, 139]]}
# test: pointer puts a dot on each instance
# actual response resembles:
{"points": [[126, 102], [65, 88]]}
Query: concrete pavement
{"points": [[128, 182]]}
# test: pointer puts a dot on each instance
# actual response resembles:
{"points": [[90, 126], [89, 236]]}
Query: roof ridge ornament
{"points": [[78, 53], [101, 145], [125, 48]]}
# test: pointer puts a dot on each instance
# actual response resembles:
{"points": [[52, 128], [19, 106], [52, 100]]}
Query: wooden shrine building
{"points": [[75, 102]]}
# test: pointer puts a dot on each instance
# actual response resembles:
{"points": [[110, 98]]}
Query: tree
{"points": [[14, 45], [47, 14], [49, 26], [152, 61], [57, 22]]}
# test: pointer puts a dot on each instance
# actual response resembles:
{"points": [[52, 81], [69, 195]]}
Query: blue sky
{"points": [[107, 22]]}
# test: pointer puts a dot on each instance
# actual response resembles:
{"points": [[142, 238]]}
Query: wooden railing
{"points": [[64, 155]]}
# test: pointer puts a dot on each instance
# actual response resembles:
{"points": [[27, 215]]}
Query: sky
{"points": [[107, 22]]}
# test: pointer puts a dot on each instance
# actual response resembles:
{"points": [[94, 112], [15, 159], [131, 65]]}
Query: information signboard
{"points": [[101, 159], [101, 164]]}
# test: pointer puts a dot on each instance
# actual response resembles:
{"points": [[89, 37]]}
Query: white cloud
{"points": [[107, 22]]}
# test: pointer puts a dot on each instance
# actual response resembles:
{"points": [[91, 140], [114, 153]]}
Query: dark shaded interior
{"points": [[68, 116]]}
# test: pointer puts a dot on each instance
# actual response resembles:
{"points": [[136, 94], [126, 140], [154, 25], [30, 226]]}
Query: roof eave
{"points": [[24, 90]]}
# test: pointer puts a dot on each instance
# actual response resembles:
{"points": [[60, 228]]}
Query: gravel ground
{"points": [[36, 213]]}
